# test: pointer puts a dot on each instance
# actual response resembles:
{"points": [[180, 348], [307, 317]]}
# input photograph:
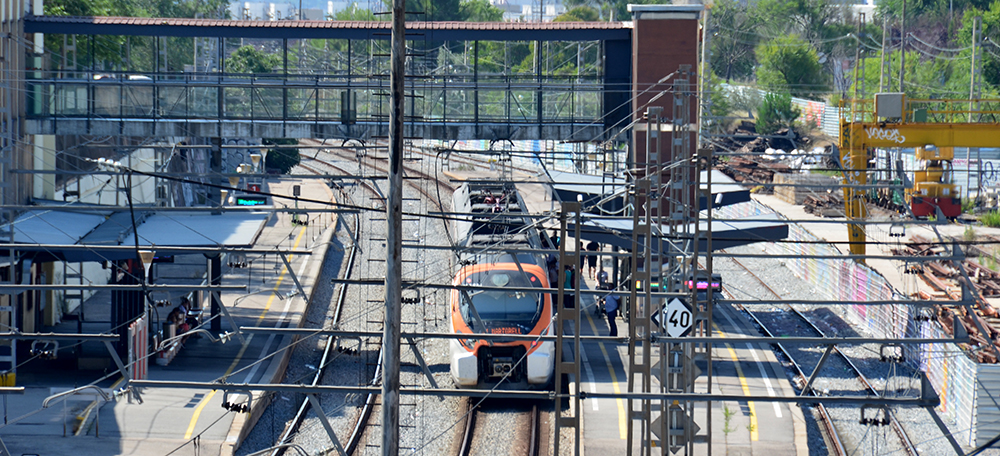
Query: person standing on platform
{"points": [[569, 288], [592, 258], [611, 310]]}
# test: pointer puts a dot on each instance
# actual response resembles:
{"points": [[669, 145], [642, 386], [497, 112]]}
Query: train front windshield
{"points": [[499, 308]]}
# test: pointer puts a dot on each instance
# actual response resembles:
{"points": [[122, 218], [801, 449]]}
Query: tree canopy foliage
{"points": [[816, 48], [579, 14], [789, 63], [248, 59]]}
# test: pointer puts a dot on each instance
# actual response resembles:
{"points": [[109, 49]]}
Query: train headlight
{"points": [[468, 344]]}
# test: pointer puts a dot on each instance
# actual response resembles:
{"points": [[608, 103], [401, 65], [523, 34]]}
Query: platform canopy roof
{"points": [[593, 188], [60, 230], [617, 231]]}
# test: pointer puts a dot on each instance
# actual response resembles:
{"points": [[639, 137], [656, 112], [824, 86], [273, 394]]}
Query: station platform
{"points": [[737, 427], [189, 421]]}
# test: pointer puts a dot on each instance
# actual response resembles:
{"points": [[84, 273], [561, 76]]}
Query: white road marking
{"points": [[590, 375], [760, 366]]}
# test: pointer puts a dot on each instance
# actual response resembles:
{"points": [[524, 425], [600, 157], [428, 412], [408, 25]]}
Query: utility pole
{"points": [[883, 74], [902, 49], [973, 95], [394, 237], [974, 72]]}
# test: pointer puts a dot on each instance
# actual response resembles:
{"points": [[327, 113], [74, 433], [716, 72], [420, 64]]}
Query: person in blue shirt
{"points": [[569, 287], [611, 303]]}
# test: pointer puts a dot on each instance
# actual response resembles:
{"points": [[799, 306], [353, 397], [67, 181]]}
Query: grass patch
{"points": [[969, 235], [991, 219], [968, 205], [727, 415]]}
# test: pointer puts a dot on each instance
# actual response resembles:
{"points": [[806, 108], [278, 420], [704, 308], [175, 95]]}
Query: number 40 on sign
{"points": [[679, 318]]}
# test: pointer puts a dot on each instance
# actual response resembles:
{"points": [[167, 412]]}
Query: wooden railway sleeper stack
{"points": [[945, 278]]}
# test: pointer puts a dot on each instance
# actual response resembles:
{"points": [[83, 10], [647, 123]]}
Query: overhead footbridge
{"points": [[332, 80]]}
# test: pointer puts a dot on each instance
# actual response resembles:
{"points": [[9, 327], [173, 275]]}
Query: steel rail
{"points": [[534, 443], [465, 448], [359, 426], [831, 430], [533, 432], [358, 430]]}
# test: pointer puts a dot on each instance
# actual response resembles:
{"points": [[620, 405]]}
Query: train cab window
{"points": [[503, 308]]}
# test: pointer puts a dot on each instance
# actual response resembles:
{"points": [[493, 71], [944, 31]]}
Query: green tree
{"points": [[436, 10], [776, 112], [745, 99], [480, 11], [717, 100], [579, 14], [935, 10], [359, 14], [247, 59], [790, 63], [610, 9], [990, 36], [733, 27]]}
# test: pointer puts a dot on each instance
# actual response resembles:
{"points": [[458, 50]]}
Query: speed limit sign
{"points": [[678, 318]]}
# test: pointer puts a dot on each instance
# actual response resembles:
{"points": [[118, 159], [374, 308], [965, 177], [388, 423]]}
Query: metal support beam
{"points": [[815, 372], [421, 362], [326, 423], [568, 315], [57, 336], [215, 297], [232, 321], [15, 289], [295, 277], [543, 395], [126, 375], [160, 250], [817, 341]]}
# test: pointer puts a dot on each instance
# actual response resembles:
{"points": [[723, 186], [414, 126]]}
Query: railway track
{"points": [[475, 429], [293, 426], [837, 445], [324, 165], [434, 189]]}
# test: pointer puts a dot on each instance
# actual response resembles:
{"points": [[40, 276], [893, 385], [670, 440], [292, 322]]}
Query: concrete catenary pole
{"points": [[394, 237]]}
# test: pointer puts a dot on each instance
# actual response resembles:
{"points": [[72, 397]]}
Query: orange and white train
{"points": [[490, 236]]}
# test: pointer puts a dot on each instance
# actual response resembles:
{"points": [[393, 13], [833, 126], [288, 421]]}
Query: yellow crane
{"points": [[933, 127]]}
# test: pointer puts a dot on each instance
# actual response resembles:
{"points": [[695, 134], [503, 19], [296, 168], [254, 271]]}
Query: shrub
{"points": [[776, 112], [991, 219]]}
